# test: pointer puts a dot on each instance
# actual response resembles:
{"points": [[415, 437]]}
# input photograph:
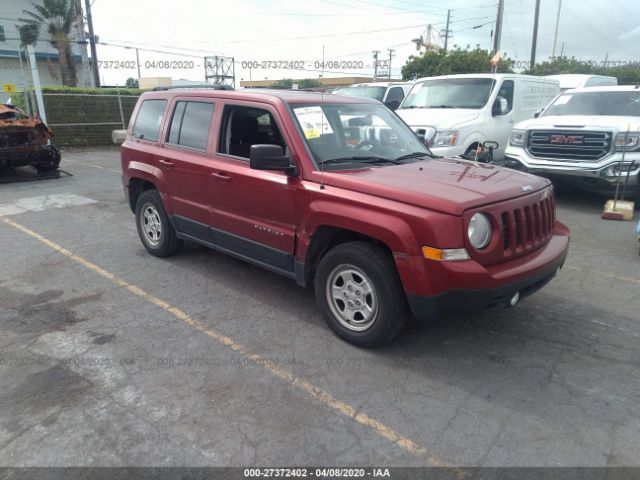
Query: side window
{"points": [[176, 123], [149, 119], [190, 124], [506, 93], [246, 126], [395, 94]]}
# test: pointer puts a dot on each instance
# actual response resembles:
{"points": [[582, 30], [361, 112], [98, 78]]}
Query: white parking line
{"points": [[44, 202]]}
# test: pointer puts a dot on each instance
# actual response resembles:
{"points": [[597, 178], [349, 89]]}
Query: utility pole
{"points": [[446, 32], [498, 33], [35, 76], [82, 41], [138, 65], [535, 35], [375, 64], [392, 53], [92, 43], [555, 33]]}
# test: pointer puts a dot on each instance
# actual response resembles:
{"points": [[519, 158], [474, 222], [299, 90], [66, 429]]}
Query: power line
{"points": [[325, 35]]}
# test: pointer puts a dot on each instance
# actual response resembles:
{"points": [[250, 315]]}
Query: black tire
{"points": [[54, 161], [167, 243], [392, 310]]}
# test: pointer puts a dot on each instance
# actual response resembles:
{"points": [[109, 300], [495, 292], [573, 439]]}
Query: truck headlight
{"points": [[518, 137], [445, 139], [627, 142], [479, 231]]}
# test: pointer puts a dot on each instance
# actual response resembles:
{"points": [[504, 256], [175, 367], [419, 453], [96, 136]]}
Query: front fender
{"points": [[389, 229]]}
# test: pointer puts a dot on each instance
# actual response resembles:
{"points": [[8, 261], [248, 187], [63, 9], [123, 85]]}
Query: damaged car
{"points": [[25, 140]]}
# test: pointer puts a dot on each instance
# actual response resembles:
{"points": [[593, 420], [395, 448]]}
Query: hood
{"points": [[446, 185], [441, 118], [597, 122]]}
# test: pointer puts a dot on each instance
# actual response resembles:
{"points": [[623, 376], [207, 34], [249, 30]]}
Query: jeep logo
{"points": [[570, 139]]}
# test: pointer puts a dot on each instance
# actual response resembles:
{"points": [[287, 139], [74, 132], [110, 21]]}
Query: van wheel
{"points": [[154, 228], [359, 292]]}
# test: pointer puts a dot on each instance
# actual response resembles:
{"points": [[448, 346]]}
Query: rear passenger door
{"points": [[252, 211], [186, 163]]}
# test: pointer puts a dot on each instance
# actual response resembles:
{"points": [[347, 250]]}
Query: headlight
{"points": [[518, 137], [627, 142], [445, 139], [479, 231]]}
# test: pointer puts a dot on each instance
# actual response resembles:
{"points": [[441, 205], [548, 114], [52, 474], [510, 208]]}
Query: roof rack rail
{"points": [[211, 87]]}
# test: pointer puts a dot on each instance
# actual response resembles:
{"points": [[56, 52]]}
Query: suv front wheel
{"points": [[154, 228], [360, 294]]}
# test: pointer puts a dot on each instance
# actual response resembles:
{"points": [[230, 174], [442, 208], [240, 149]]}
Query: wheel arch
{"points": [[390, 233], [137, 185]]}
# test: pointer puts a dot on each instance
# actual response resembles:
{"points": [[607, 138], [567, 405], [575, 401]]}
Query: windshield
{"points": [[450, 93], [347, 136], [625, 104], [377, 93]]}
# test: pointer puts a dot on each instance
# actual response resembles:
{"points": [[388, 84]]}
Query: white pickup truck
{"points": [[582, 136]]}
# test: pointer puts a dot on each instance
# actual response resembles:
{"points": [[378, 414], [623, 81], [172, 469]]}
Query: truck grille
{"points": [[527, 227], [566, 145]]}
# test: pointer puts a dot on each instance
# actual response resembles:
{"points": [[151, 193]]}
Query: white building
{"points": [[14, 67]]}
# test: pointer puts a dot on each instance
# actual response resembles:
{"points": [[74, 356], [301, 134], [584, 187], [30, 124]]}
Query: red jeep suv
{"points": [[338, 193]]}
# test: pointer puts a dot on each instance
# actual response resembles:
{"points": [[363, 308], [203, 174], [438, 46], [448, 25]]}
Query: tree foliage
{"points": [[432, 63], [626, 74], [131, 83], [57, 17]]}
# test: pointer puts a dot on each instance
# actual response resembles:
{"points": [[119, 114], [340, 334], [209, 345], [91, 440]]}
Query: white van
{"points": [[455, 113], [578, 80], [389, 93]]}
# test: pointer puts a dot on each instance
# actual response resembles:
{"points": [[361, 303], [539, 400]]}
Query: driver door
{"points": [[503, 119], [252, 211]]}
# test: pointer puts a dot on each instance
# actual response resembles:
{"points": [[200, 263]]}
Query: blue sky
{"points": [[348, 30]]}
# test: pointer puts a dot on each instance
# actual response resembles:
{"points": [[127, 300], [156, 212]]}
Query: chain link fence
{"points": [[78, 119]]}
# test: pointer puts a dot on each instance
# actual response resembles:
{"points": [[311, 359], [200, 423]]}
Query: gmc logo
{"points": [[573, 139]]}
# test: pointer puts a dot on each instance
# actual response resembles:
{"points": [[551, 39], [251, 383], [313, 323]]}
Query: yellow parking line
{"points": [[91, 165], [308, 388]]}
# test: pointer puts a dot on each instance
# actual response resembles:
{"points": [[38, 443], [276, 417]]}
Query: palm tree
{"points": [[58, 16]]}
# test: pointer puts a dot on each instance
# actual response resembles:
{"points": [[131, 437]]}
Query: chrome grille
{"points": [[569, 145]]}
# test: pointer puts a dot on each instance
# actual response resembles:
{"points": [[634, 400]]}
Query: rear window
{"points": [[149, 119], [190, 124]]}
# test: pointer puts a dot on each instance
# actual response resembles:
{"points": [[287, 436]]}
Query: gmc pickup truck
{"points": [[587, 136], [340, 194]]}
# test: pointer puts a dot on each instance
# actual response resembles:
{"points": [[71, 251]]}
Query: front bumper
{"points": [[448, 152], [45, 155], [498, 283], [605, 173]]}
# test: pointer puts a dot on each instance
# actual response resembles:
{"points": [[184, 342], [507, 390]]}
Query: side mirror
{"points": [[392, 104], [538, 113], [421, 133], [270, 157], [500, 107]]}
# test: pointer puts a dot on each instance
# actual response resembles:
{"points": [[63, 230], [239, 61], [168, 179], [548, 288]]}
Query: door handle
{"points": [[166, 163], [221, 176]]}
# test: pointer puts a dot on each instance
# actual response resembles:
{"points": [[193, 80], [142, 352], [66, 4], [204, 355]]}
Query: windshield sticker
{"points": [[563, 100], [313, 122]]}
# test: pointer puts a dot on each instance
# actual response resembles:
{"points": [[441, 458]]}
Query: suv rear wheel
{"points": [[360, 295], [154, 228]]}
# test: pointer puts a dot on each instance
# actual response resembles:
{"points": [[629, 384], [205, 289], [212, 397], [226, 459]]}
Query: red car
{"points": [[338, 193]]}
